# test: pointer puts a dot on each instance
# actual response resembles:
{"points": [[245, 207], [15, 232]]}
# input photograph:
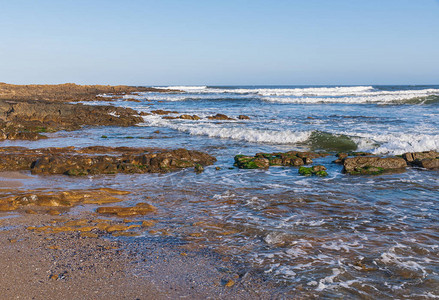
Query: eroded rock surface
{"points": [[427, 159], [373, 165], [26, 119], [264, 160], [68, 91], [63, 199], [120, 211], [100, 160], [318, 170], [221, 117]]}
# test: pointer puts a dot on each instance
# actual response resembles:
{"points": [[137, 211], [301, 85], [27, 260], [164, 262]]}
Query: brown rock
{"points": [[219, 117], [26, 119], [429, 163], [373, 165], [71, 92], [243, 117], [100, 160], [189, 117], [139, 209], [163, 112], [59, 199]]}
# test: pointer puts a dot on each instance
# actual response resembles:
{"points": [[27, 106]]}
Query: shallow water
{"points": [[356, 236]]}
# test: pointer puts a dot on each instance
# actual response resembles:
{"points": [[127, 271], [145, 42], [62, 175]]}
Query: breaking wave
{"points": [[390, 143], [306, 95]]}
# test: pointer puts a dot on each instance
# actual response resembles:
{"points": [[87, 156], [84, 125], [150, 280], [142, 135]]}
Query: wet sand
{"points": [[6, 182], [70, 266]]}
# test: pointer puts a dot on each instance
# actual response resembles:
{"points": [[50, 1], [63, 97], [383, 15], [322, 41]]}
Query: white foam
{"points": [[325, 282], [308, 95], [210, 129], [395, 143], [183, 88]]}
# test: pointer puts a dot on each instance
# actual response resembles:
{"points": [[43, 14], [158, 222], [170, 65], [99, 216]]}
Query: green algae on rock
{"points": [[100, 160], [265, 160], [318, 170], [372, 165]]}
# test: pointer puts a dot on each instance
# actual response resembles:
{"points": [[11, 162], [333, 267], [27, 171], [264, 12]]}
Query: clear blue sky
{"points": [[165, 42]]}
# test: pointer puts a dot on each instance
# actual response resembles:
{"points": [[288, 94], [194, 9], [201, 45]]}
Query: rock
{"points": [[189, 117], [220, 117], [411, 157], [27, 119], [429, 163], [16, 132], [139, 209], [426, 159], [69, 92], [163, 112], [60, 199], [198, 168], [132, 100], [230, 283], [243, 117], [264, 160], [342, 156], [318, 170], [249, 162], [373, 165], [100, 160]]}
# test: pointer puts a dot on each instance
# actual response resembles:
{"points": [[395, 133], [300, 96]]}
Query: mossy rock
{"points": [[305, 171], [77, 172], [368, 170], [248, 162], [198, 168], [313, 171]]}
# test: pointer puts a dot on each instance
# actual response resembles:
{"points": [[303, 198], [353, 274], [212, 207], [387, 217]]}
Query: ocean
{"points": [[338, 236]]}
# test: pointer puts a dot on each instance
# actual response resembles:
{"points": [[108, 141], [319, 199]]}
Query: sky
{"points": [[220, 42]]}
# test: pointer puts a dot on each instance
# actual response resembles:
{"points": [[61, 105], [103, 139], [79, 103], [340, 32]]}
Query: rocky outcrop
{"points": [[189, 117], [121, 211], [220, 117], [318, 170], [264, 160], [70, 92], [100, 160], [342, 156], [27, 119], [183, 117], [243, 117], [17, 132], [163, 112], [60, 199], [426, 159], [372, 165]]}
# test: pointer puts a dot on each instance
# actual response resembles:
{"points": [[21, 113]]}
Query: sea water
{"points": [[343, 235]]}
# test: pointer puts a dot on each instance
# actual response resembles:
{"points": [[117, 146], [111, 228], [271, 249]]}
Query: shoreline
{"points": [[73, 266], [84, 204]]}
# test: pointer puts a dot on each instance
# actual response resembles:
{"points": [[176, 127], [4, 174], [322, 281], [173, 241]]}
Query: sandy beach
{"points": [[71, 266], [183, 192], [50, 252]]}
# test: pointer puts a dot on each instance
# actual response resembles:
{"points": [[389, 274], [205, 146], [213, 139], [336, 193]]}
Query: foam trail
{"points": [[235, 133], [308, 95]]}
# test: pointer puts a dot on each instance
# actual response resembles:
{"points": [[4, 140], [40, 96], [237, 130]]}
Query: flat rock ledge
{"points": [[100, 160], [26, 119], [265, 160], [373, 165]]}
